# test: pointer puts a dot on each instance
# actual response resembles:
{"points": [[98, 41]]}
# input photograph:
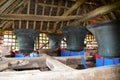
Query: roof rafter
{"points": [[15, 5], [6, 5], [97, 12], [31, 17]]}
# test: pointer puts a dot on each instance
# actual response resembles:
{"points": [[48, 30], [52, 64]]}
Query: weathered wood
{"points": [[55, 65], [8, 23], [72, 60], [6, 5], [28, 11], [43, 11], [2, 2], [32, 17], [11, 63], [51, 52], [25, 72], [69, 11], [44, 45], [22, 63], [74, 7], [101, 73], [52, 6], [39, 62], [90, 15], [13, 6], [97, 12]]}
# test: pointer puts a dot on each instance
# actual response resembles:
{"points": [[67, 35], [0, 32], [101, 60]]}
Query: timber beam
{"points": [[31, 17], [97, 12], [101, 73], [22, 63], [38, 62], [55, 65]]}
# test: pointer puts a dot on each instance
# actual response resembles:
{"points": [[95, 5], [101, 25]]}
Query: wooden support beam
{"points": [[22, 63], [74, 7], [7, 23], [97, 12], [44, 45], [13, 6], [50, 52], [38, 62], [6, 5], [69, 11], [2, 2], [90, 15], [7, 64], [55, 65], [101, 73], [24, 72], [31, 17], [70, 60]]}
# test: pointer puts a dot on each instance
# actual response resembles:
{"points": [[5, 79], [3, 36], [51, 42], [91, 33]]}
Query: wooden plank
{"points": [[43, 11], [7, 24], [32, 17], [50, 12], [6, 64], [40, 61], [24, 72], [13, 6], [97, 12], [30, 63], [52, 6], [34, 24], [69, 11], [2, 2], [44, 45], [55, 65], [28, 11], [57, 14], [6, 5], [101, 73], [70, 60]]}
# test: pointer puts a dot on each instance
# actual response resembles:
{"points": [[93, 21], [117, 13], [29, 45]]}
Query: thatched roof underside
{"points": [[50, 16]]}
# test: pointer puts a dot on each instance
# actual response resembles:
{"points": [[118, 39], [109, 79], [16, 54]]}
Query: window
{"points": [[90, 41], [41, 40], [9, 39]]}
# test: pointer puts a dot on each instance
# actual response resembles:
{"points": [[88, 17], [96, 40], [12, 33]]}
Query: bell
{"points": [[75, 36], [107, 35], [26, 39], [54, 40]]}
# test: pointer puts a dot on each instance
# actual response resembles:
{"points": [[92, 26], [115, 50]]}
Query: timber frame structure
{"points": [[49, 16], [59, 71]]}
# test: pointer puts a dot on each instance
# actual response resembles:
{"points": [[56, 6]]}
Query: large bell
{"points": [[107, 35], [54, 40], [26, 39], [75, 36]]}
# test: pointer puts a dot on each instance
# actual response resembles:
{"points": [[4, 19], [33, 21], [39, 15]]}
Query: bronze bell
{"points": [[107, 35]]}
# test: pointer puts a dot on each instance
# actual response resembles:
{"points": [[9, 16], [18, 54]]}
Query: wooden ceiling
{"points": [[49, 16]]}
